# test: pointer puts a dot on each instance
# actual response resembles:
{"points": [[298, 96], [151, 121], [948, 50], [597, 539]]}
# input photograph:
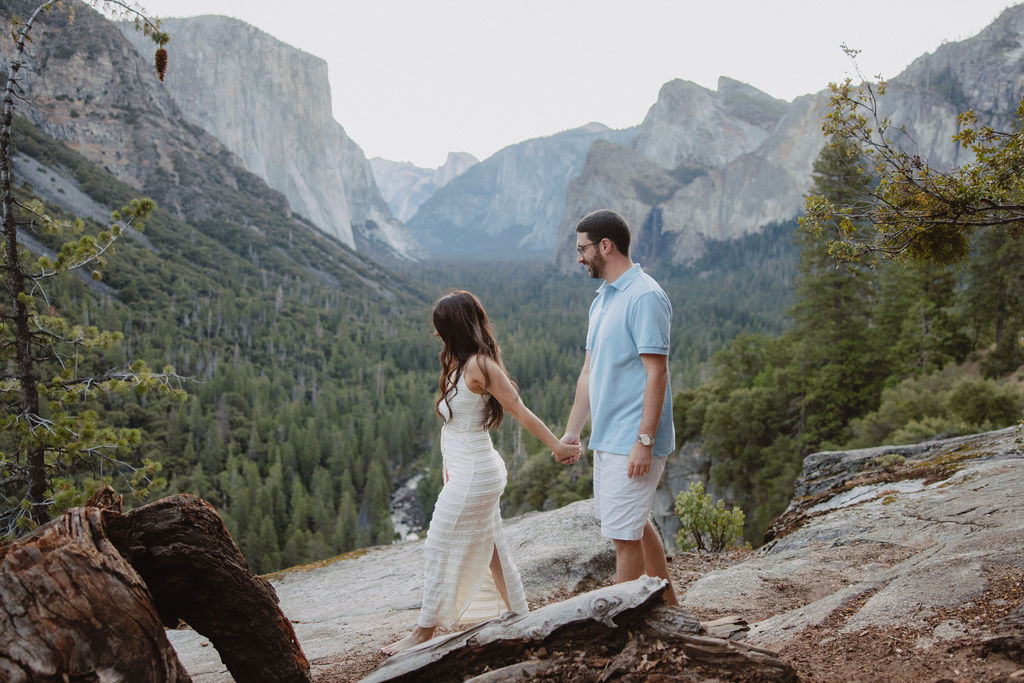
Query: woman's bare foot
{"points": [[418, 635]]}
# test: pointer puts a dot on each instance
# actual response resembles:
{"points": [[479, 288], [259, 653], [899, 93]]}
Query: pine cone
{"points": [[161, 63]]}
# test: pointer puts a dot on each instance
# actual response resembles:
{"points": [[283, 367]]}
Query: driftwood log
{"points": [[72, 608], [181, 564], [620, 632]]}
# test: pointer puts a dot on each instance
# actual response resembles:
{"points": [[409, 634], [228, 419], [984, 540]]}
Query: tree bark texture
{"points": [[86, 598], [16, 276], [72, 608], [183, 551], [568, 641]]}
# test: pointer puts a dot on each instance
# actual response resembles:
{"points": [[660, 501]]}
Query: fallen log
{"points": [[72, 608], [624, 631], [86, 597], [196, 573]]}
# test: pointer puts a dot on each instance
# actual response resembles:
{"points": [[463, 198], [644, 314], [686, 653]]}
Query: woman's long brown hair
{"points": [[462, 324]]}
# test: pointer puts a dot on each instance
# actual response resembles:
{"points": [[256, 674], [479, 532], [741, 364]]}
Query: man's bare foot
{"points": [[418, 635]]}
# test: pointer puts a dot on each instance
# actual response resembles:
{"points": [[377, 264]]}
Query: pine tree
{"points": [[918, 321], [836, 364], [345, 528], [994, 298], [47, 432], [377, 502]]}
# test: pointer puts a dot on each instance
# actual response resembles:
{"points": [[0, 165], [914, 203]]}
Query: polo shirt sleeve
{"points": [[590, 323], [649, 322]]}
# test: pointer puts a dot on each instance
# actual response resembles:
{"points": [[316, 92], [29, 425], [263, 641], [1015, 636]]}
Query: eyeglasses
{"points": [[581, 247]]}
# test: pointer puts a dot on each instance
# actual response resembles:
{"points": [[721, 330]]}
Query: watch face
{"points": [[646, 440]]}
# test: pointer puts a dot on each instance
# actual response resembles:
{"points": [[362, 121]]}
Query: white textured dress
{"points": [[466, 525]]}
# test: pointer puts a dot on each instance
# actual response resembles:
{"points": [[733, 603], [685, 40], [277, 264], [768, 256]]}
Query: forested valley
{"points": [[310, 387], [310, 390]]}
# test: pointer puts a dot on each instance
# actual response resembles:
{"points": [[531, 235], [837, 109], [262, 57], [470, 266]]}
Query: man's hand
{"points": [[573, 457], [639, 462]]}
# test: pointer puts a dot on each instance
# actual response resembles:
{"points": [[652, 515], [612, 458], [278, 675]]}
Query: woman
{"points": [[465, 537]]}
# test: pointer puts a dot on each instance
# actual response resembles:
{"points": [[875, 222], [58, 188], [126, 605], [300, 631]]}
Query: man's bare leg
{"points": [[419, 635], [499, 577], [629, 560], [655, 563]]}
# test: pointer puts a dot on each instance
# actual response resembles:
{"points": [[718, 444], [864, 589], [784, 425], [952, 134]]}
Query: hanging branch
{"points": [[919, 212]]}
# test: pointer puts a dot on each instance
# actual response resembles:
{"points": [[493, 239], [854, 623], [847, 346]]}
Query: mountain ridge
{"points": [[768, 183], [406, 186], [509, 204], [283, 131]]}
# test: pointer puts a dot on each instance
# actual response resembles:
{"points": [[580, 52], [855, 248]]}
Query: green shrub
{"points": [[706, 527], [943, 403], [1006, 357]]}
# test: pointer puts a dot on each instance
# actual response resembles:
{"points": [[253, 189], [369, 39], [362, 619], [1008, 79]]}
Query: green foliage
{"points": [[919, 212], [52, 382], [1007, 356], [994, 299], [944, 403], [863, 363], [706, 527], [889, 462]]}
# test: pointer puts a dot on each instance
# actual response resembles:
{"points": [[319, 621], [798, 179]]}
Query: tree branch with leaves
{"points": [[918, 212]]}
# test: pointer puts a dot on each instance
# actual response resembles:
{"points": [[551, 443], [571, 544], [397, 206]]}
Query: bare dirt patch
{"points": [[911, 652]]}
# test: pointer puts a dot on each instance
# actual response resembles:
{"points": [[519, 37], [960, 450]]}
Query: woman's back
{"points": [[468, 410]]}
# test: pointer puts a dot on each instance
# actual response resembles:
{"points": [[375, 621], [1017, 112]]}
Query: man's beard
{"points": [[595, 266]]}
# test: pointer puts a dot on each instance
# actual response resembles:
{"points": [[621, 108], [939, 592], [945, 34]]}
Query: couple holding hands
{"points": [[623, 388]]}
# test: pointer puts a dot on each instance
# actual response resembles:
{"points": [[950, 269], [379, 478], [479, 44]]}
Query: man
{"points": [[624, 388]]}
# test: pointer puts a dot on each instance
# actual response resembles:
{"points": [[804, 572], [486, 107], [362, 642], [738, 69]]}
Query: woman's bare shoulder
{"points": [[476, 379]]}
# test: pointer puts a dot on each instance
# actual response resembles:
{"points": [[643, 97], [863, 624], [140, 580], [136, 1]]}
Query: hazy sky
{"points": [[412, 80]]}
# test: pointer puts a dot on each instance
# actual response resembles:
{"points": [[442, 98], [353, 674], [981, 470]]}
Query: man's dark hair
{"points": [[603, 223]]}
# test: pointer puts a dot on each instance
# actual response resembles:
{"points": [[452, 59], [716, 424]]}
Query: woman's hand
{"points": [[568, 453]]}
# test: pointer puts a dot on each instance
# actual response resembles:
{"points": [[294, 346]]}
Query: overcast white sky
{"points": [[412, 80]]}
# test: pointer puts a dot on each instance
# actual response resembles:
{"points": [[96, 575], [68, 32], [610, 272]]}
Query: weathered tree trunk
{"points": [[16, 277], [72, 608], [181, 548], [618, 632], [86, 597]]}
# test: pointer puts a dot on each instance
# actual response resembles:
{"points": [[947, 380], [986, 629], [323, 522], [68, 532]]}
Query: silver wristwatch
{"points": [[645, 439]]}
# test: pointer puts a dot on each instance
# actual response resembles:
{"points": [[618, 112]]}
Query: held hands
{"points": [[639, 462], [569, 452]]}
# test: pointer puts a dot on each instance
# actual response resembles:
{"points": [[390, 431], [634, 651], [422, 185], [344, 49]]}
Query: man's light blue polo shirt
{"points": [[629, 317]]}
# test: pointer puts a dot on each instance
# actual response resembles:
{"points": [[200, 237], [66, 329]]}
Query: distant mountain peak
{"points": [[405, 186], [718, 165], [284, 130]]}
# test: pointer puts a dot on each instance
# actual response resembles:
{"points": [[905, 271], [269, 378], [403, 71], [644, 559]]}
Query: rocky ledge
{"points": [[905, 560], [914, 553]]}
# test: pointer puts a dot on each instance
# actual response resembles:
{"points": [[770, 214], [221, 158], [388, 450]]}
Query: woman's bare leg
{"points": [[420, 634], [499, 577]]}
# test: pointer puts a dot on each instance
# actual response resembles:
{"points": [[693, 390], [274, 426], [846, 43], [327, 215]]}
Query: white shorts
{"points": [[622, 504]]}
